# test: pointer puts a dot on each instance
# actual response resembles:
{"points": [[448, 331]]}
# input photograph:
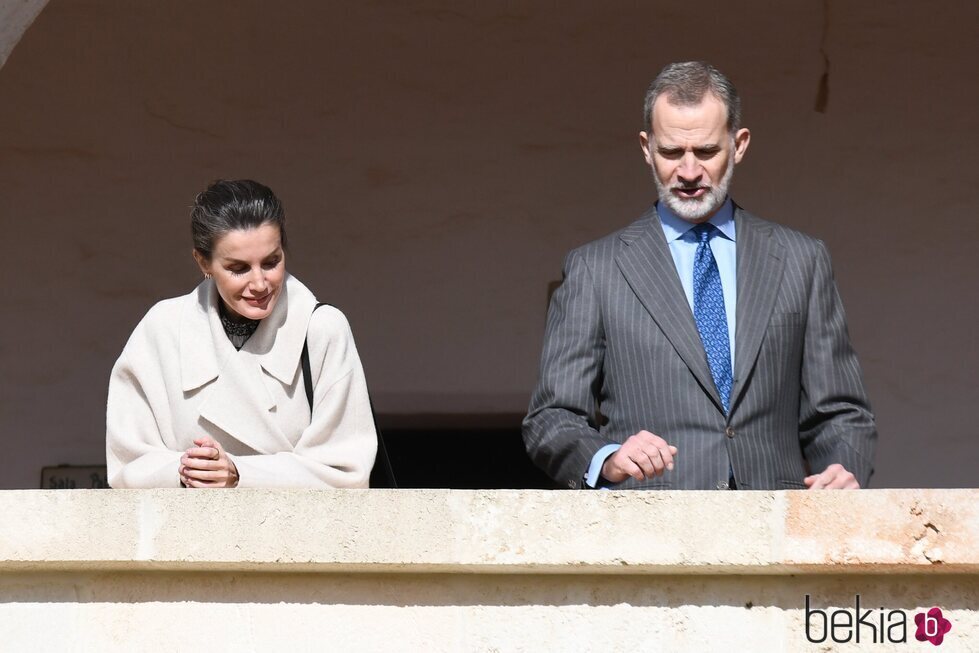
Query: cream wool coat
{"points": [[180, 378]]}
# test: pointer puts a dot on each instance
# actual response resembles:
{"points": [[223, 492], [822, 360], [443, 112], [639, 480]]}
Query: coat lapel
{"points": [[239, 404], [760, 266], [236, 398], [278, 342], [201, 357], [648, 267]]}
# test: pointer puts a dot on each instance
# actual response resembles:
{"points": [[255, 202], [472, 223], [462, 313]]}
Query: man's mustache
{"points": [[689, 186]]}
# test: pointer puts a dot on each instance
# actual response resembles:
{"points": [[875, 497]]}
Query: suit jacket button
{"points": [[722, 485], [729, 432]]}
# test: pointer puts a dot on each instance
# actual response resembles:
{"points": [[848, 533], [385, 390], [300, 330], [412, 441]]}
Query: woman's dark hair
{"points": [[228, 205]]}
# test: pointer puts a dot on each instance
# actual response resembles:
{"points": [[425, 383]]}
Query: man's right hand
{"points": [[644, 455]]}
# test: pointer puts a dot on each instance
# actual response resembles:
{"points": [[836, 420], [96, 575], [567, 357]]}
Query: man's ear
{"points": [[741, 140], [646, 145]]}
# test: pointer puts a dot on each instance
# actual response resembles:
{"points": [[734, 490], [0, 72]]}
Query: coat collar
{"points": [[276, 345], [235, 396]]}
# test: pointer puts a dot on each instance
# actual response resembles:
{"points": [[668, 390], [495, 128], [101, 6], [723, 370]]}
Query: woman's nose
{"points": [[258, 282]]}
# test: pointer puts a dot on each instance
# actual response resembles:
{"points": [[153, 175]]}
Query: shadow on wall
{"points": [[438, 590], [454, 457]]}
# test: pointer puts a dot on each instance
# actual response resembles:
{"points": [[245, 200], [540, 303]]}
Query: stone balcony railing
{"points": [[445, 570]]}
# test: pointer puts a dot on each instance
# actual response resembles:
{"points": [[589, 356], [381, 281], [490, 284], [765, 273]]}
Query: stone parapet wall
{"points": [[438, 160], [445, 570]]}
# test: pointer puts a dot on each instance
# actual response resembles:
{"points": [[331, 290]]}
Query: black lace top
{"points": [[239, 329]]}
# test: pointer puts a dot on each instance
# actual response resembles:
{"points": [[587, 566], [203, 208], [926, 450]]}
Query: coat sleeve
{"points": [[836, 424], [560, 431], [136, 455], [337, 449]]}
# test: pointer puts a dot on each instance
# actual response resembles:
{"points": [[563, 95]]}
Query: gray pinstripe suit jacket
{"points": [[622, 354]]}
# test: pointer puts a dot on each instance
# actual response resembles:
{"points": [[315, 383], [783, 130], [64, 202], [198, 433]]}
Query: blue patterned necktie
{"points": [[708, 311]]}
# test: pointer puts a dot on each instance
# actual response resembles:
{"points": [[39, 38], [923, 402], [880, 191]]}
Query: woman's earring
{"points": [[207, 275]]}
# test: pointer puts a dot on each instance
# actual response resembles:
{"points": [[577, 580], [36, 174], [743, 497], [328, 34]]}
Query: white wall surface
{"points": [[437, 160]]}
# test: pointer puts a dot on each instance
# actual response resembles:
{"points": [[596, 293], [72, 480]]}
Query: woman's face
{"points": [[248, 267]]}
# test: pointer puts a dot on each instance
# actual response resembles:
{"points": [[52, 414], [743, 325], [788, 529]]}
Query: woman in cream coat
{"points": [[209, 390]]}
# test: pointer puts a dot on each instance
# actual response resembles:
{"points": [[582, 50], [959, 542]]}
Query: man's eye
{"points": [[671, 154]]}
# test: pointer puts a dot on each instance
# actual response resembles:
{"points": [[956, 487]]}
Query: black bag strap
{"points": [[383, 474]]}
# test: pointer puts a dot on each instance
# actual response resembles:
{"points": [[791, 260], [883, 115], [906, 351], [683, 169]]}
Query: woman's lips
{"points": [[257, 301]]}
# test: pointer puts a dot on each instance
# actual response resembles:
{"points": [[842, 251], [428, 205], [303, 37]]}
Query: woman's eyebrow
{"points": [[230, 259]]}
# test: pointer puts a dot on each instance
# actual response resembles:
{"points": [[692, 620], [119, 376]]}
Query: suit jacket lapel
{"points": [[760, 266], [648, 267]]}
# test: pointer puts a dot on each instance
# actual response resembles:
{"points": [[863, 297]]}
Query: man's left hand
{"points": [[836, 477]]}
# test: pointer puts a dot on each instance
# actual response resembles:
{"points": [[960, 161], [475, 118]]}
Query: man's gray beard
{"points": [[694, 210]]}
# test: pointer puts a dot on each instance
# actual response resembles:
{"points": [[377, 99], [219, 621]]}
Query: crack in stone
{"points": [[936, 560], [928, 526], [177, 125], [929, 550], [822, 90]]}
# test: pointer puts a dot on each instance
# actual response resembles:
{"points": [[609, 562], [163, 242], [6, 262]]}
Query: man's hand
{"points": [[207, 465], [644, 455], [836, 477]]}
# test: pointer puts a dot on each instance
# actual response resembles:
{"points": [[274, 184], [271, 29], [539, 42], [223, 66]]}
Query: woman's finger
{"points": [[219, 475], [209, 453], [202, 463]]}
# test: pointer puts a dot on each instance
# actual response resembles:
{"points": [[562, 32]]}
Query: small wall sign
{"points": [[74, 477]]}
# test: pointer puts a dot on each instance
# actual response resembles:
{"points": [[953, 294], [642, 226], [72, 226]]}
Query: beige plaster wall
{"points": [[506, 531], [437, 161], [256, 570], [458, 613]]}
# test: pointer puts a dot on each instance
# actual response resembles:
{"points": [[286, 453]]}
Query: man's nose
{"points": [[689, 169]]}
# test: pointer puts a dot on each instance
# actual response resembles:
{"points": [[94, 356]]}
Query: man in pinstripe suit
{"points": [[629, 397]]}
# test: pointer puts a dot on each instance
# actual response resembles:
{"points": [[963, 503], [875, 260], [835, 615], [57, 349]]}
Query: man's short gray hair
{"points": [[685, 84]]}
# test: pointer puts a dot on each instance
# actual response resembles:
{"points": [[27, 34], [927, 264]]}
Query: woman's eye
{"points": [[271, 265], [237, 271]]}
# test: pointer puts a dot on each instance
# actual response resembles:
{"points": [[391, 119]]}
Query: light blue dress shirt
{"points": [[683, 247]]}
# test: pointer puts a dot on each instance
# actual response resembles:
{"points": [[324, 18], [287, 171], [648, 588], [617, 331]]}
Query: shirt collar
{"points": [[674, 227]]}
